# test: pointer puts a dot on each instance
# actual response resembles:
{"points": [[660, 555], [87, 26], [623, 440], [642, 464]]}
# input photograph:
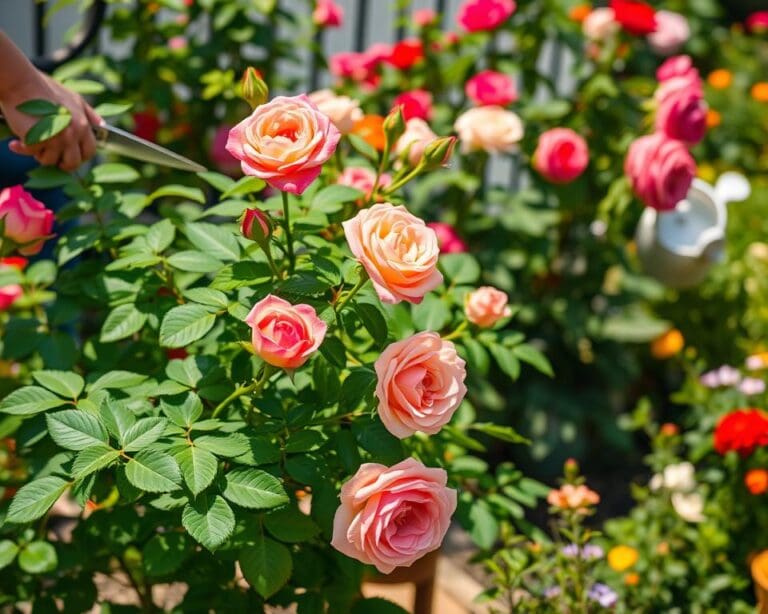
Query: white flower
{"points": [[689, 507], [677, 477], [752, 385]]}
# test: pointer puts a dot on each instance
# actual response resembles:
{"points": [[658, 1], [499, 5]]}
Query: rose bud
{"points": [[252, 88], [394, 125], [438, 152], [256, 226]]}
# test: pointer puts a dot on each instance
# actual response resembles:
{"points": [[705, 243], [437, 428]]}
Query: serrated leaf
{"points": [[160, 235], [68, 385], [194, 261], [117, 418], [184, 415], [198, 467], [267, 566], [74, 429], [8, 552], [118, 380], [47, 127], [184, 324], [30, 400], [207, 296], [228, 446], [35, 499], [92, 459], [145, 432], [209, 520], [153, 471], [254, 489], [217, 241], [123, 321]]}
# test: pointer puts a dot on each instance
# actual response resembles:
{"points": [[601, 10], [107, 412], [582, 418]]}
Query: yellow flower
{"points": [[632, 579], [759, 91], [668, 344], [621, 558], [707, 172], [720, 78]]}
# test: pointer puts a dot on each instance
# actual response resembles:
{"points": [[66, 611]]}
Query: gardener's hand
{"points": [[21, 81]]}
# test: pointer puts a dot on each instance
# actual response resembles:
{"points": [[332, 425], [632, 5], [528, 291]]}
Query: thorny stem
{"points": [[241, 390], [355, 289]]}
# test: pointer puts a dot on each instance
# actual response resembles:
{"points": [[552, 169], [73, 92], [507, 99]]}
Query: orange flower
{"points": [[570, 497], [668, 344], [632, 579], [621, 558], [668, 429], [662, 548], [756, 481], [371, 130], [720, 78], [759, 91], [579, 12], [714, 118]]}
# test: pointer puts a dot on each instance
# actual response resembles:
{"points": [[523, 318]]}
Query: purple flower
{"points": [[589, 552], [604, 595], [571, 551], [551, 592], [752, 385], [724, 376]]}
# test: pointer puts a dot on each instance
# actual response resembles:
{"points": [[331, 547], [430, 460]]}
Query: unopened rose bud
{"points": [[394, 126], [252, 88], [256, 226], [571, 469], [439, 151]]}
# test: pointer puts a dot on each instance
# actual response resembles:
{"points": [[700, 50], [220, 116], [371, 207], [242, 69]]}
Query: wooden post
{"points": [[422, 573]]}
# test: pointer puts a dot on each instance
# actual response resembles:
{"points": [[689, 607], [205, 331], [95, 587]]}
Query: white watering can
{"points": [[679, 247]]}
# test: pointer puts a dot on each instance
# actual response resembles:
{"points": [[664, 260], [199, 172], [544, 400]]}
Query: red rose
{"points": [[741, 431], [406, 53], [415, 103], [146, 124], [635, 17]]}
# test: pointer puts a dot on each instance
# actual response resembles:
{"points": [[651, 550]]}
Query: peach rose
{"points": [[420, 384], [27, 221], [561, 155], [284, 142], [398, 251], [489, 128], [344, 111], [570, 497], [486, 306], [392, 516], [363, 179], [600, 24], [414, 140], [285, 335]]}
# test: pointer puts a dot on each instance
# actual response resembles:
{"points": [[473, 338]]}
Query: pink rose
{"points": [[681, 112], [398, 251], [448, 239], [27, 221], [414, 140], [490, 128], [489, 87], [392, 516], [328, 14], [561, 155], [11, 293], [757, 22], [600, 24], [677, 66], [420, 384], [177, 43], [344, 111], [671, 33], [284, 142], [285, 335], [416, 103], [477, 15], [660, 170], [424, 17], [352, 65], [363, 178], [219, 154], [486, 306]]}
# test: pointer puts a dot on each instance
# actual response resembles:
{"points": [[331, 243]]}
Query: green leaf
{"points": [[460, 268], [184, 324], [164, 553], [506, 360], [373, 320], [482, 525], [376, 605], [153, 471], [332, 198], [123, 321], [118, 380], [74, 429], [533, 357], [198, 467], [253, 488], [38, 557], [35, 499], [244, 186], [8, 552], [209, 520], [184, 415], [47, 127], [431, 314], [290, 525], [363, 147], [505, 433], [93, 459], [207, 296], [334, 351], [38, 107], [216, 241], [228, 446], [29, 400], [160, 235], [180, 191], [44, 177], [68, 385], [113, 172], [194, 262], [117, 418], [221, 182], [145, 432], [267, 566], [305, 284], [110, 109]]}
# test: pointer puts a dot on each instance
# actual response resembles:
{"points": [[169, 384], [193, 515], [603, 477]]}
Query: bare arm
{"points": [[21, 81]]}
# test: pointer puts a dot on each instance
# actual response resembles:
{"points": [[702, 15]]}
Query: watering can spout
{"points": [[712, 242]]}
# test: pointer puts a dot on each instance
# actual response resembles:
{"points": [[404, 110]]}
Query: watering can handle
{"points": [[732, 187]]}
